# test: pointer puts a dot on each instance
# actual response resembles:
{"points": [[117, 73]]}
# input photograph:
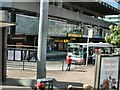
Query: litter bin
{"points": [[47, 83]]}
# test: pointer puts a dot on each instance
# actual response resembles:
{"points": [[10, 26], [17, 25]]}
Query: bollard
{"points": [[62, 65], [44, 84]]}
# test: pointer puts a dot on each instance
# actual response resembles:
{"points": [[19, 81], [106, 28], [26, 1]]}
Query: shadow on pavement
{"points": [[63, 85], [57, 85], [19, 82]]}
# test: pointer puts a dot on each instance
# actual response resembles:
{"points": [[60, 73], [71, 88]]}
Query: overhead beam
{"points": [[60, 12], [81, 9], [71, 15]]}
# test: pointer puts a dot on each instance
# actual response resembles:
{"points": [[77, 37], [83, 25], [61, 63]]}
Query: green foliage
{"points": [[114, 36]]}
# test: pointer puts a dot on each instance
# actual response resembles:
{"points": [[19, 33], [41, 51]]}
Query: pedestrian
{"points": [[68, 61], [93, 58], [84, 56]]}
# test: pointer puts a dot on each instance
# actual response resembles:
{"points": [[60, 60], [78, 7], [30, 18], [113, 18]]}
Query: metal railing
{"points": [[21, 52], [25, 65], [25, 57]]}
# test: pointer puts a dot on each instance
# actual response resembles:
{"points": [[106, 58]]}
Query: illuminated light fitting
{"points": [[4, 19], [6, 24]]}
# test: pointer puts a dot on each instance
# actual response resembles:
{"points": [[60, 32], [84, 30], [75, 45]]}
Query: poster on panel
{"points": [[18, 55], [10, 54], [109, 73]]}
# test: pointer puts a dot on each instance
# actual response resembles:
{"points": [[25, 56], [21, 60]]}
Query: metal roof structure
{"points": [[32, 8], [100, 7]]}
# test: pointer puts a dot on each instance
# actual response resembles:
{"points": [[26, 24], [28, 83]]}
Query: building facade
{"points": [[68, 22]]}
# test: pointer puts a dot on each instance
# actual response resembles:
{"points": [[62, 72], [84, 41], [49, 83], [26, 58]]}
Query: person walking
{"points": [[93, 58], [68, 61]]}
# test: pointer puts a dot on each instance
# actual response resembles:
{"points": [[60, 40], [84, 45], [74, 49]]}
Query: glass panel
{"points": [[61, 28], [77, 52], [27, 25], [70, 49]]}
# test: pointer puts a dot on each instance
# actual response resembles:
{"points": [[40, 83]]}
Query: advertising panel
{"points": [[108, 77], [18, 55], [10, 54]]}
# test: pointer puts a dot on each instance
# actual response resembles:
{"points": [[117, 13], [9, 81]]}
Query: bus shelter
{"points": [[3, 42]]}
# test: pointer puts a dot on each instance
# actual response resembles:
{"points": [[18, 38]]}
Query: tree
{"points": [[114, 36]]}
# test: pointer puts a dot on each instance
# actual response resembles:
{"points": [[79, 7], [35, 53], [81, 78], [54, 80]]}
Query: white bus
{"points": [[78, 51]]}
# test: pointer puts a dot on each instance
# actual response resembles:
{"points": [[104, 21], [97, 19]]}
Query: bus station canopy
{"points": [[92, 44]]}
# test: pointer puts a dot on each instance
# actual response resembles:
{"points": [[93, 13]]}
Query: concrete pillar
{"points": [[3, 43], [4, 53], [0, 56], [42, 39]]}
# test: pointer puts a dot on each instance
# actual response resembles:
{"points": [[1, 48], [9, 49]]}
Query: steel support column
{"points": [[42, 39]]}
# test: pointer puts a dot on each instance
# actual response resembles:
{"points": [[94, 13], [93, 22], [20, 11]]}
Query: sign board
{"points": [[10, 54], [17, 55], [74, 35], [108, 72]]}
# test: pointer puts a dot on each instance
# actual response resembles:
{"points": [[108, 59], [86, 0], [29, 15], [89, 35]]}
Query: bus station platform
{"points": [[76, 77]]}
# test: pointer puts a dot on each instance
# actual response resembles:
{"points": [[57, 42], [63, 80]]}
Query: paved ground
{"points": [[83, 74], [77, 77]]}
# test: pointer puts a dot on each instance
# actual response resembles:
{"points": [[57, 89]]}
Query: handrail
{"points": [[21, 46], [21, 49]]}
